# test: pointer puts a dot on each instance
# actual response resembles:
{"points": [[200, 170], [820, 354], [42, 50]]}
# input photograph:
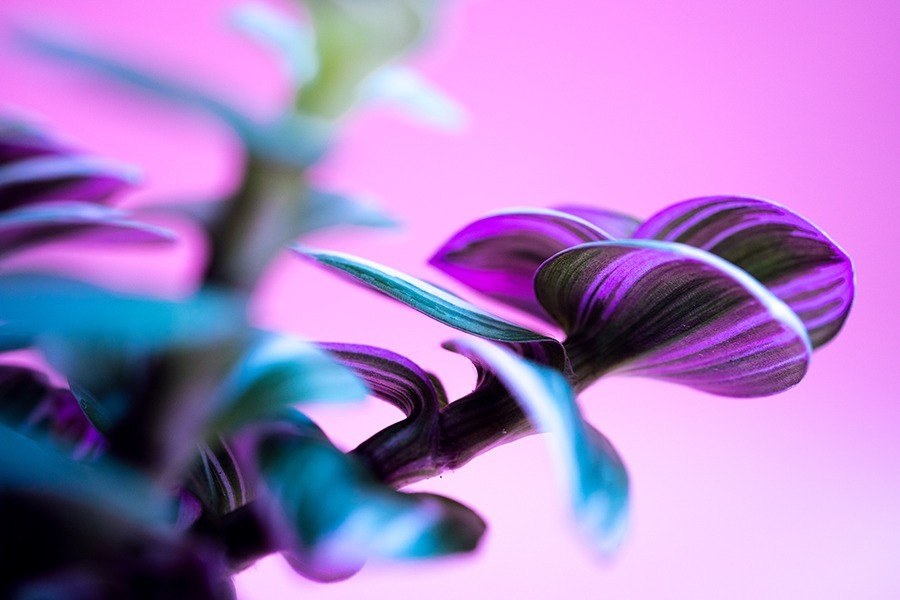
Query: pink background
{"points": [[627, 105]]}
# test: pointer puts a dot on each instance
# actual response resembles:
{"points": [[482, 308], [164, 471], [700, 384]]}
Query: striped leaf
{"points": [[402, 383], [788, 254], [61, 177], [24, 227], [426, 298], [672, 312], [591, 467], [499, 254]]}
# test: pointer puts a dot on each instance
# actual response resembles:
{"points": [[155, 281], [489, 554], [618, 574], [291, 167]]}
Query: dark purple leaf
{"points": [[67, 178], [499, 254], [402, 383], [672, 312], [789, 255]]}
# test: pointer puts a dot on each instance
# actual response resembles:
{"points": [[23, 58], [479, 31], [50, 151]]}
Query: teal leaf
{"points": [[588, 462], [291, 139], [334, 514], [425, 297], [40, 306], [323, 210], [292, 41], [279, 371]]}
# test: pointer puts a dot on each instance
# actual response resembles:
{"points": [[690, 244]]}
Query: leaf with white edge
{"points": [[404, 89], [293, 41], [498, 255], [672, 312], [279, 371], [33, 306], [24, 227], [789, 255], [616, 224], [424, 297], [62, 177], [404, 384], [291, 139], [334, 514], [588, 462], [323, 210], [217, 480]]}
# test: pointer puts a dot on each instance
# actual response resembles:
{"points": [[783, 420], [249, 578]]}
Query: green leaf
{"points": [[353, 39], [406, 90], [292, 41], [425, 297], [589, 463]]}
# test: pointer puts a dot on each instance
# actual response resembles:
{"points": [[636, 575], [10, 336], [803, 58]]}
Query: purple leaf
{"points": [[789, 255], [616, 224], [58, 177], [499, 254], [26, 226], [672, 312], [402, 383]]}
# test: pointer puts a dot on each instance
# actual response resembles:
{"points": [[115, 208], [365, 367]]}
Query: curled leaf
{"points": [[402, 383], [672, 312]]}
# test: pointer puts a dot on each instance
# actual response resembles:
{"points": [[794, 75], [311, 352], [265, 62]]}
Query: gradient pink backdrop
{"points": [[628, 105]]}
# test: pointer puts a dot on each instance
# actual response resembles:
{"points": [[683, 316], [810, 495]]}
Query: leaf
{"points": [[69, 310], [323, 210], [590, 465], [334, 514], [33, 407], [786, 253], [402, 383], [62, 177], [291, 139], [353, 39], [426, 298], [23, 227], [406, 90], [617, 225], [217, 480], [280, 371], [498, 255], [292, 41], [672, 312]]}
